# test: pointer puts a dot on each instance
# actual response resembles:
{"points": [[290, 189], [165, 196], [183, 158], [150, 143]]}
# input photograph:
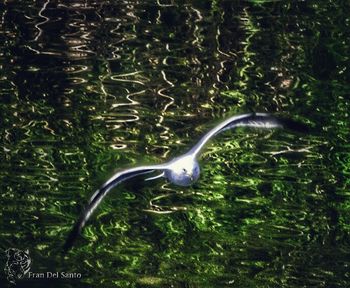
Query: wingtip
{"points": [[287, 123], [73, 235], [68, 244], [295, 126]]}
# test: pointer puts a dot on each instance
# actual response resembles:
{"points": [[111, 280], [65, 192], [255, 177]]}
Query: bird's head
{"points": [[183, 171]]}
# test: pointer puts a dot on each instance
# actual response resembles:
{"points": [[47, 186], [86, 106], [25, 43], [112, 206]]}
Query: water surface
{"points": [[90, 87]]}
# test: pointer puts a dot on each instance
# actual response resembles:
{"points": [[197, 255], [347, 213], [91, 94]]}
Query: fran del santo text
{"points": [[54, 275]]}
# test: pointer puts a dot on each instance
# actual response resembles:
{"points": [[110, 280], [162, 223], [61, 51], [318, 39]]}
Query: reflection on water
{"points": [[88, 87]]}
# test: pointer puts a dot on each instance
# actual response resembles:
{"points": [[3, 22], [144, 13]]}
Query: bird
{"points": [[183, 170]]}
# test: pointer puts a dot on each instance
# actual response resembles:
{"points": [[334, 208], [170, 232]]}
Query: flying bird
{"points": [[183, 170]]}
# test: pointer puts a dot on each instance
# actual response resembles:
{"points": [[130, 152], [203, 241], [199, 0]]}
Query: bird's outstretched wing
{"points": [[259, 120], [97, 197]]}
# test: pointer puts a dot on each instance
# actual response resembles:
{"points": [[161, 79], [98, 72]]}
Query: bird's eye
{"points": [[184, 170]]}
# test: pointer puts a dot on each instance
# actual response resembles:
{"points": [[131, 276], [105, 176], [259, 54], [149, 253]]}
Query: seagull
{"points": [[183, 170]]}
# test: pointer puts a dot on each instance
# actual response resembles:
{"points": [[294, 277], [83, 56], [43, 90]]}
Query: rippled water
{"points": [[90, 87]]}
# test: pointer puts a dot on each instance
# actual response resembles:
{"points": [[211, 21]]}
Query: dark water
{"points": [[89, 87]]}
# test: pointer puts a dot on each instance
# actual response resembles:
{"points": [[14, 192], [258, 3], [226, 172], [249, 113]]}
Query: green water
{"points": [[90, 87]]}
